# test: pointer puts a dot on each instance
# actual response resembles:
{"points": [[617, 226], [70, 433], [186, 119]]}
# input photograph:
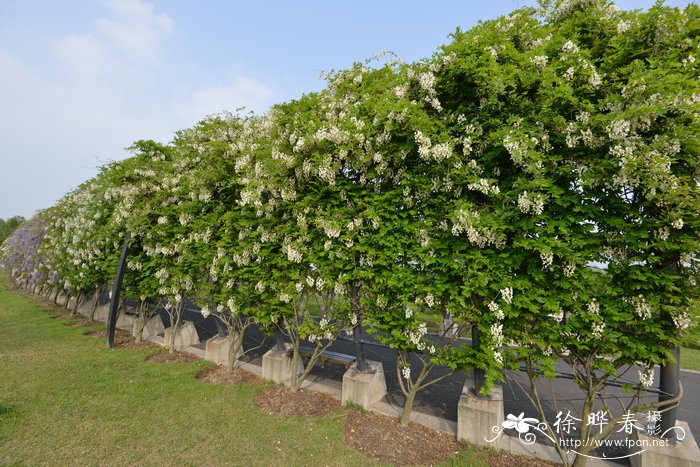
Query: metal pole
{"points": [[668, 385], [220, 328], [479, 374], [116, 289]]}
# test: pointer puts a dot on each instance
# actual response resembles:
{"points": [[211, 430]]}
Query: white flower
{"points": [[682, 321], [569, 73], [540, 61], [353, 319], [677, 224], [507, 294], [205, 312], [409, 313], [559, 316], [260, 287], [429, 300], [547, 260], [498, 356], [646, 377], [569, 268], [569, 47], [285, 298], [623, 26], [406, 372], [593, 307], [310, 280], [597, 330]]}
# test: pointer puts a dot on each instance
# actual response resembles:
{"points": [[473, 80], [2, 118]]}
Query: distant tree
{"points": [[8, 226]]}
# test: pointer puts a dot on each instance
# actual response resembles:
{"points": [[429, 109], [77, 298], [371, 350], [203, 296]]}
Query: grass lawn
{"points": [[690, 359], [67, 399]]}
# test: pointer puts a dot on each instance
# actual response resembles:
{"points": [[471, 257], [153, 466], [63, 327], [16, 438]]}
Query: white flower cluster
{"points": [[406, 372], [415, 337], [646, 376], [496, 310], [285, 298], [484, 187], [682, 320], [427, 83], [559, 316], [531, 203], [205, 312], [597, 330], [464, 222], [569, 268], [294, 253], [507, 294], [593, 307], [427, 150], [547, 260], [260, 287], [540, 61], [497, 334]]}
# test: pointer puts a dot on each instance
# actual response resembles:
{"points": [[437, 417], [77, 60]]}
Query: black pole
{"points": [[668, 385], [479, 375], [220, 328], [116, 289]]}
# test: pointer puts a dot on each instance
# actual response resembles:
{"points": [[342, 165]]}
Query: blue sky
{"points": [[81, 80]]}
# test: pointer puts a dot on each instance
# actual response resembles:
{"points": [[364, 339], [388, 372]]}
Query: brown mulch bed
{"points": [[220, 375], [175, 357], [383, 438], [281, 401]]}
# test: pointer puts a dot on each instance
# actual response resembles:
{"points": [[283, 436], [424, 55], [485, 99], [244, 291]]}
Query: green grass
{"points": [[690, 359], [65, 399]]}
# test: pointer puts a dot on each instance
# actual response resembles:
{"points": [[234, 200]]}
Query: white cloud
{"points": [[82, 54], [137, 29], [241, 92], [109, 89]]}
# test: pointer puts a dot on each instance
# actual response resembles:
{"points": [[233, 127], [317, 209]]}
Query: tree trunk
{"points": [[408, 406]]}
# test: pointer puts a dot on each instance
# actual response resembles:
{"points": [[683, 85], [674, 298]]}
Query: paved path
{"points": [[441, 398]]}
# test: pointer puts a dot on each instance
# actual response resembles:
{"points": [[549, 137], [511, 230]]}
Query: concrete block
{"points": [[85, 307], [185, 335], [364, 388], [654, 451], [61, 298], [125, 321], [218, 348], [277, 366], [102, 313], [153, 327], [447, 329], [476, 416]]}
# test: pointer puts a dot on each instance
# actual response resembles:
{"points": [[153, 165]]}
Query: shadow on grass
{"points": [[5, 410]]}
